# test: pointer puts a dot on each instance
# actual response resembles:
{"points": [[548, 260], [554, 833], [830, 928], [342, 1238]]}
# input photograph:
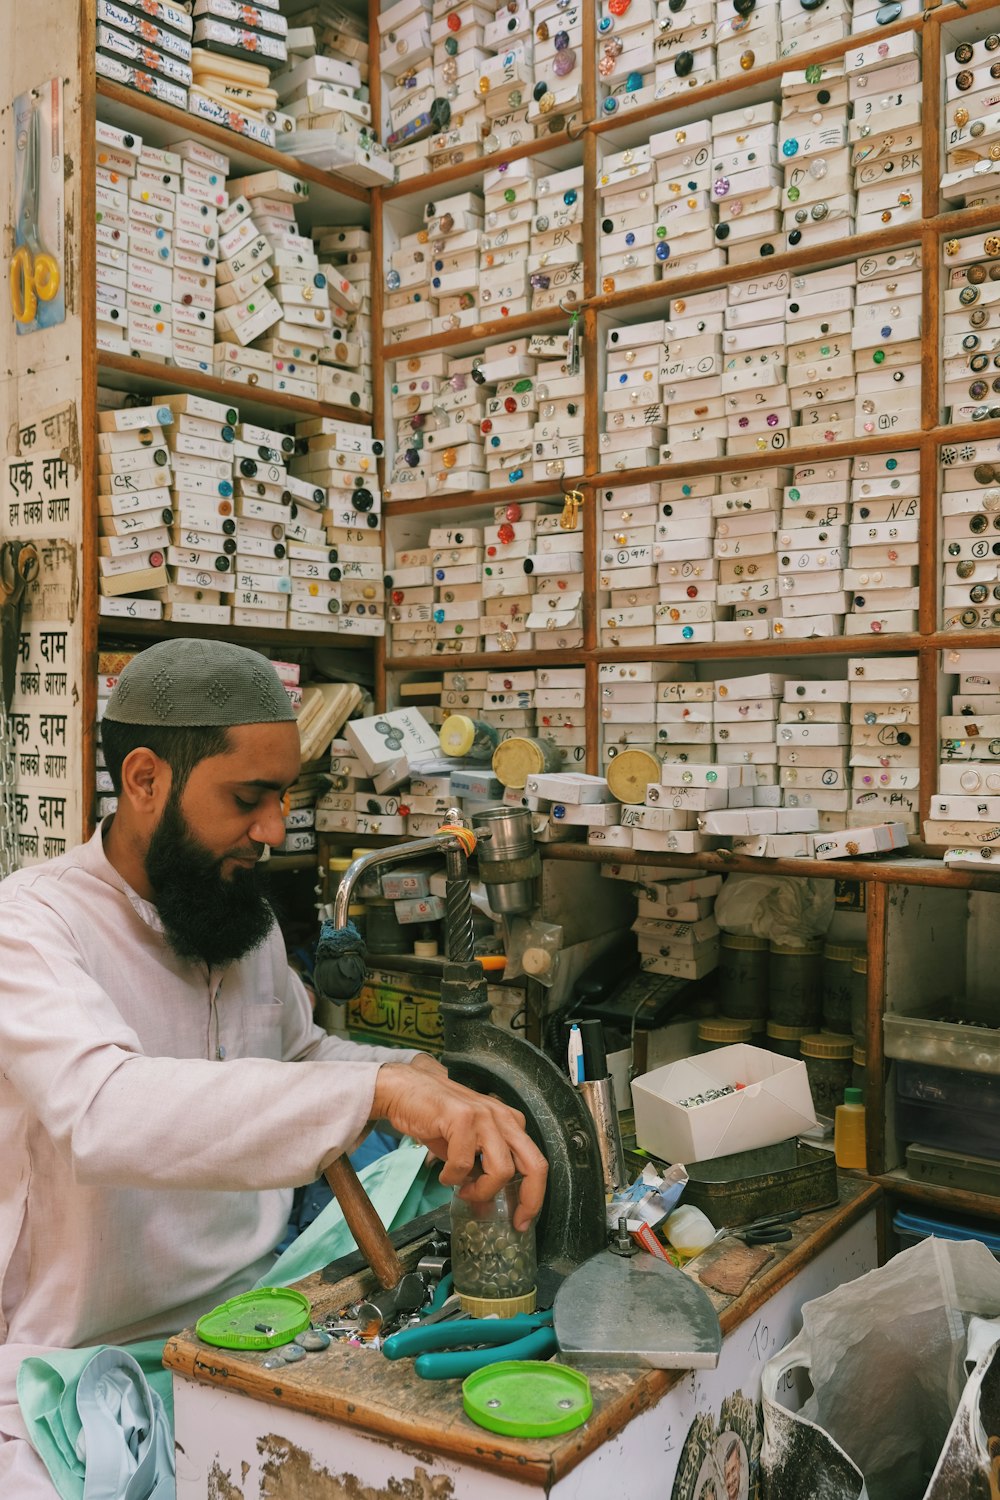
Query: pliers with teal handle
{"points": [[442, 1353]]}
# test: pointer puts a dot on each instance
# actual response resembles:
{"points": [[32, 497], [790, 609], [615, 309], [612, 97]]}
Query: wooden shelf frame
{"points": [[926, 234], [599, 133], [170, 124]]}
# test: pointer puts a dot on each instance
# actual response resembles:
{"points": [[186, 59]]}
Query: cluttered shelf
{"points": [[120, 627], [950, 1199], [419, 187], [471, 336], [794, 260], [912, 869], [816, 453], [468, 499], [148, 377], [479, 659], [163, 125]]}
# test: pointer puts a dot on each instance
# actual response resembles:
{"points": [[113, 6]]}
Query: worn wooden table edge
{"points": [[620, 1395]]}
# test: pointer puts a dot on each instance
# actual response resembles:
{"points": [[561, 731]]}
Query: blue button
{"points": [[663, 250], [630, 239], [687, 632], [886, 331], [790, 148]]}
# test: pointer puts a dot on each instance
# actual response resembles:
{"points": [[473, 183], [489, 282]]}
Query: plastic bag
{"points": [[533, 949], [890, 1416], [782, 908]]}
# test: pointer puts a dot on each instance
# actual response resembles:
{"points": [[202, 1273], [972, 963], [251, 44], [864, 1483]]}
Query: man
{"points": [[153, 1127], [733, 1472]]}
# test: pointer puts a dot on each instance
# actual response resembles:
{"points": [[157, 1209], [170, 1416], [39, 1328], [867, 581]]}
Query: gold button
{"points": [[961, 117], [747, 61], [991, 244]]}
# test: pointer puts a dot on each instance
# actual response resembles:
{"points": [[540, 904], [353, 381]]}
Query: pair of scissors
{"points": [[443, 1351], [34, 273], [18, 568]]}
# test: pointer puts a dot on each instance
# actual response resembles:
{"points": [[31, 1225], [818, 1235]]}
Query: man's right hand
{"points": [[460, 1126]]}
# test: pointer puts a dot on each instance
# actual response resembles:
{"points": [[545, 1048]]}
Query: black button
{"points": [[683, 64], [607, 225], [744, 7], [767, 249], [886, 14], [795, 236], [722, 232], [823, 97], [963, 53]]}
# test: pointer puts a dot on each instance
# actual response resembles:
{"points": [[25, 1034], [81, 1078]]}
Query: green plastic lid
{"points": [[854, 1096], [261, 1319], [523, 1398]]}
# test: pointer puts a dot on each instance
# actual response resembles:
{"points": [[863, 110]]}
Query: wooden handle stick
{"points": [[364, 1223]]}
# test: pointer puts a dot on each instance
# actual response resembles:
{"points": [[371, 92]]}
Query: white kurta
{"points": [[144, 1105]]}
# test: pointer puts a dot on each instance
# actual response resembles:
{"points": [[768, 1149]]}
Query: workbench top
{"points": [[360, 1388]]}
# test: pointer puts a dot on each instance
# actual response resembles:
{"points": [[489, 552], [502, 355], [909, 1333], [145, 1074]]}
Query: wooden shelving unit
{"points": [[333, 199], [600, 308]]}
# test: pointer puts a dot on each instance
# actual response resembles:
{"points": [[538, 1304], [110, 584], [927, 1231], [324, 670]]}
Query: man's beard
{"points": [[206, 917]]}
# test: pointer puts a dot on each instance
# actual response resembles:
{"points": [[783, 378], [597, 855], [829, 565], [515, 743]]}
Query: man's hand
{"points": [[459, 1126], [428, 1065]]}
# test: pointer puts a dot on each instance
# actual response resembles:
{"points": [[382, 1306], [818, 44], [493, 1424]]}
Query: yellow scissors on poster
{"points": [[34, 273]]}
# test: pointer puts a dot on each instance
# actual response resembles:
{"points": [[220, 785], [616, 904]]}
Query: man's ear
{"points": [[146, 781]]}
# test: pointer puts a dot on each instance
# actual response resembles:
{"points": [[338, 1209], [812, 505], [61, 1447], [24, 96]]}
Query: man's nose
{"points": [[269, 827]]}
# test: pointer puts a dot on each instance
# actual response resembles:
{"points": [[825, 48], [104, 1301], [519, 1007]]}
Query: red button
{"points": [[397, 596], [692, 592], [486, 426], [510, 404], [454, 24], [506, 532], [491, 552], [513, 512]]}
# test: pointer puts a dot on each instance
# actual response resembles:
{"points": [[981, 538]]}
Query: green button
{"points": [[879, 356], [509, 195]]}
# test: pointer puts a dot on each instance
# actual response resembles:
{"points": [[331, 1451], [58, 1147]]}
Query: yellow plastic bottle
{"points": [[689, 1231], [849, 1130]]}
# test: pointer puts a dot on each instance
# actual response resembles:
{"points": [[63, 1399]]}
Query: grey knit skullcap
{"points": [[193, 683]]}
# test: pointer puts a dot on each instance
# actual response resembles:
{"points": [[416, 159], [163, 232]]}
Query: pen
{"points": [[574, 1052]]}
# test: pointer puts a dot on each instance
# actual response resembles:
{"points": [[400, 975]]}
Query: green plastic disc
{"points": [[523, 1398], [256, 1320]]}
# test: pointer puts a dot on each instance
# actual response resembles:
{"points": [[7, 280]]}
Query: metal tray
{"points": [[749, 1185]]}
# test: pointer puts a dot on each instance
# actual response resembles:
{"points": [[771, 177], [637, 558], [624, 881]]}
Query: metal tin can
{"points": [[795, 978], [516, 759], [743, 976], [630, 773], [838, 985]]}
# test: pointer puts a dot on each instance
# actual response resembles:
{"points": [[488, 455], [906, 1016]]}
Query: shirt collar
{"points": [[96, 861]]}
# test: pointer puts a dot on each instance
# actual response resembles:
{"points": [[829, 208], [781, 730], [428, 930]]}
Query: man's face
{"points": [[201, 862], [732, 1474]]}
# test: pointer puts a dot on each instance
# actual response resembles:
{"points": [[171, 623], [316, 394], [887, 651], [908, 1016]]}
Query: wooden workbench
{"points": [[358, 1389]]}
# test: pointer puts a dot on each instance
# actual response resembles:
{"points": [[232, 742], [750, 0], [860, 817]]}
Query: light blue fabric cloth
{"points": [[101, 1419], [400, 1185], [71, 1397]]}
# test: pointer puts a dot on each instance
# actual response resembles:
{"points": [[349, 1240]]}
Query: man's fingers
{"points": [[534, 1170]]}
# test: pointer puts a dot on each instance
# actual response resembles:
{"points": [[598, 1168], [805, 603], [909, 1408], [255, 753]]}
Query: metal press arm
{"points": [[459, 935]]}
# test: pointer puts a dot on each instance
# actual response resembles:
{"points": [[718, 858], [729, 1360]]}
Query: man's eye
{"points": [[245, 806]]}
